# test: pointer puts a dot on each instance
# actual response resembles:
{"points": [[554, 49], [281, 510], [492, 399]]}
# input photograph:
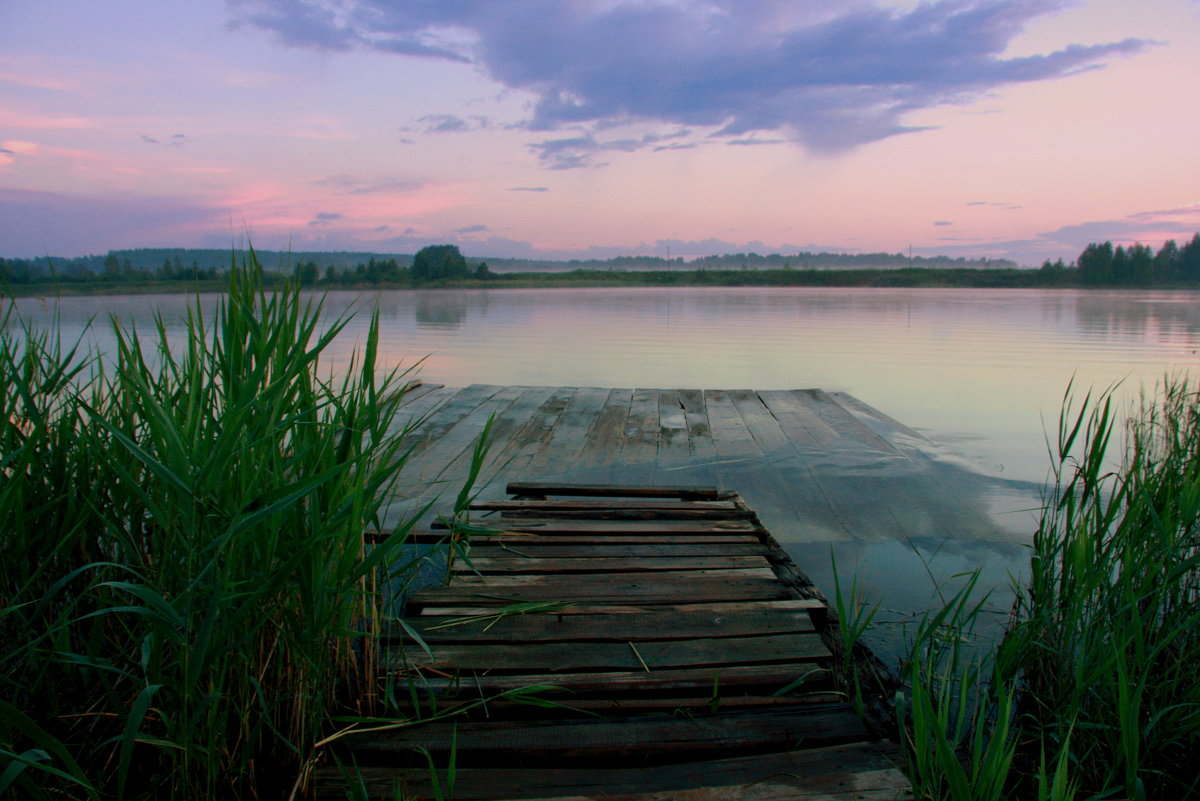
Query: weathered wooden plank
{"points": [[732, 439], [882, 424], [840, 772], [535, 489], [729, 679], [640, 445], [764, 429], [595, 581], [682, 654], [566, 441], [620, 608], [649, 509], [807, 491], [600, 505], [536, 550], [604, 441], [441, 455], [700, 464], [649, 655], [409, 422], [772, 482], [704, 703], [695, 413], [629, 591], [474, 563], [634, 627], [446, 416], [543, 412], [645, 513], [512, 432], [883, 785], [418, 404], [674, 445], [742, 461], [560, 525], [834, 415], [520, 539], [447, 462], [640, 738], [797, 419]]}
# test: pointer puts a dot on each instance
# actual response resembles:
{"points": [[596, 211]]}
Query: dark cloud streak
{"points": [[830, 79]]}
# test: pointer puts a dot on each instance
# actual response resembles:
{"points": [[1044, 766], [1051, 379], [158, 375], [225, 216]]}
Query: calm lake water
{"points": [[980, 372]]}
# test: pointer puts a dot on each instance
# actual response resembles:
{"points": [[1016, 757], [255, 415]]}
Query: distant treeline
{"points": [[1136, 265], [194, 264], [804, 260], [168, 265], [1099, 265]]}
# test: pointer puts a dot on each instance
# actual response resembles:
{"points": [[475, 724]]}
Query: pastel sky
{"points": [[573, 128]]}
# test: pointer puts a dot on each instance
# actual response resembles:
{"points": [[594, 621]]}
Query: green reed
{"points": [[1091, 691], [187, 596], [1108, 633]]}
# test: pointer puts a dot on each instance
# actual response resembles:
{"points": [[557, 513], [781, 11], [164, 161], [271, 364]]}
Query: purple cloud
{"points": [[325, 218], [574, 152], [750, 140], [831, 77], [175, 140], [451, 123], [1068, 241], [35, 223], [361, 185]]}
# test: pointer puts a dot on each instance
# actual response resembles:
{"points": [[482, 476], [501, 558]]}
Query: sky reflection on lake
{"points": [[981, 372]]}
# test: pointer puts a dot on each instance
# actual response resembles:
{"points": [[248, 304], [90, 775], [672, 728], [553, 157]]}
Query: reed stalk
{"points": [[188, 596], [1091, 691]]}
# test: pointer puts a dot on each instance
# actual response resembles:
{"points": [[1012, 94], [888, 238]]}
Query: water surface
{"points": [[981, 373]]}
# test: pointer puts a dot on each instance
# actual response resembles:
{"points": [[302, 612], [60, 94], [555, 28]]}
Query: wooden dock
{"points": [[805, 459], [651, 643]]}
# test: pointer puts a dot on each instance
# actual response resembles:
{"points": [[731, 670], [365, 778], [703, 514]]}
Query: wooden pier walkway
{"points": [[804, 459], [644, 643]]}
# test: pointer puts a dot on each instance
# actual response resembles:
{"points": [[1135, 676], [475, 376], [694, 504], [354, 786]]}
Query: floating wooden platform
{"points": [[805, 459], [649, 643]]}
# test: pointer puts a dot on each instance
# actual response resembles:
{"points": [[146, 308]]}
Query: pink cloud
{"points": [[18, 146], [36, 82], [16, 118]]}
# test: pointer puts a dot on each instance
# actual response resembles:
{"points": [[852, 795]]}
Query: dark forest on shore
{"points": [[173, 269]]}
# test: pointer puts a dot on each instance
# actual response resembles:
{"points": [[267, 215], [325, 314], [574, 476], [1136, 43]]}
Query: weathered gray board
{"points": [[661, 674], [817, 466]]}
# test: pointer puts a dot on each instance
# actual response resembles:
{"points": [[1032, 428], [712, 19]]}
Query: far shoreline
{"points": [[903, 278]]}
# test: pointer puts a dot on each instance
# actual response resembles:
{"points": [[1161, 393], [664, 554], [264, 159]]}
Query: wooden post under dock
{"points": [[620, 642]]}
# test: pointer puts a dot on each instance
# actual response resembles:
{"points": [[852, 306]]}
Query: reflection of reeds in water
{"points": [[1092, 691], [186, 593]]}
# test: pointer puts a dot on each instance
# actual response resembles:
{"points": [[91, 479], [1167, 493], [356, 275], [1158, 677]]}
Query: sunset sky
{"points": [[1021, 129]]}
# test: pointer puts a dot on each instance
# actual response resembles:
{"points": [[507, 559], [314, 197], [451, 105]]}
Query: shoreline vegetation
{"points": [[1090, 691], [189, 602], [442, 266], [191, 607]]}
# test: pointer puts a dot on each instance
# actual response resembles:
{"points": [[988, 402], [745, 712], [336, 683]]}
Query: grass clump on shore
{"points": [[1092, 692], [186, 593]]}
